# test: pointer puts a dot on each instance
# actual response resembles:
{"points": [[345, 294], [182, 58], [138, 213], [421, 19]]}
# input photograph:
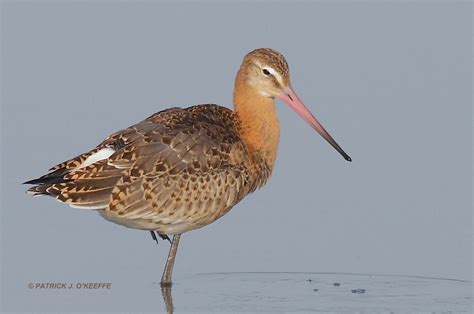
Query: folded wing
{"points": [[177, 167]]}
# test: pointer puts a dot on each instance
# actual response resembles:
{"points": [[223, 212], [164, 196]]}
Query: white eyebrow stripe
{"points": [[274, 73]]}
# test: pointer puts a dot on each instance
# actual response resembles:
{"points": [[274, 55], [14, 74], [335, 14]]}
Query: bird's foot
{"points": [[153, 236], [163, 236]]}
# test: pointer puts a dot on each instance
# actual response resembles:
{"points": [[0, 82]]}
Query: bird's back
{"points": [[177, 170]]}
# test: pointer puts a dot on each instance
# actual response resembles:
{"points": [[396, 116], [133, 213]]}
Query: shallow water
{"points": [[252, 293], [316, 292]]}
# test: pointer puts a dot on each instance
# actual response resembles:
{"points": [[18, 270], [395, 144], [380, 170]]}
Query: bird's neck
{"points": [[258, 121]]}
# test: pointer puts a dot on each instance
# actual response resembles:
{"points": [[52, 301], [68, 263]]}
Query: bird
{"points": [[181, 169]]}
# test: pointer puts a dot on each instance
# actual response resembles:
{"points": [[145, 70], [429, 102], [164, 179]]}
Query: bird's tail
{"points": [[83, 187]]}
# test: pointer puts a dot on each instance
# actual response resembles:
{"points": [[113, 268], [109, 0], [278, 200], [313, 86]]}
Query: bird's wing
{"points": [[165, 168], [190, 172]]}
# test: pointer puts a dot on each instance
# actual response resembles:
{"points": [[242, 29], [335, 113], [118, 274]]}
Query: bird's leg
{"points": [[166, 278]]}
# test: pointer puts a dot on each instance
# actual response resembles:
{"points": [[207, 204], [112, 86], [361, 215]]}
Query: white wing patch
{"points": [[104, 153]]}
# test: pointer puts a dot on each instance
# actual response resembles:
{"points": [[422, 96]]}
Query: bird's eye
{"points": [[265, 72]]}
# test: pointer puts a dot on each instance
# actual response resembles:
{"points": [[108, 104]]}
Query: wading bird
{"points": [[183, 168]]}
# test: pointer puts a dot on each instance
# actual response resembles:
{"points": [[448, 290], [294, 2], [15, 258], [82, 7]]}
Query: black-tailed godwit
{"points": [[183, 168]]}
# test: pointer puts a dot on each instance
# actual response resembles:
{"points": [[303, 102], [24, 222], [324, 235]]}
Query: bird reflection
{"points": [[167, 297]]}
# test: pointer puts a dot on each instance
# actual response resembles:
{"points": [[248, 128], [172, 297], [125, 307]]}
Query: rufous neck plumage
{"points": [[257, 117]]}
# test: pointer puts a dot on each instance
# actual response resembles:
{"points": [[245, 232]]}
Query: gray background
{"points": [[391, 82]]}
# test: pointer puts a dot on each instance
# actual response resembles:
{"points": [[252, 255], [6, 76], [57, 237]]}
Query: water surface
{"points": [[318, 292]]}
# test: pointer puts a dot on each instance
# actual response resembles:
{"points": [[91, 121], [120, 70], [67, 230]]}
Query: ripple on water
{"points": [[327, 292]]}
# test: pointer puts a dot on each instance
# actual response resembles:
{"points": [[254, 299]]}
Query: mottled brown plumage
{"points": [[181, 169], [177, 170]]}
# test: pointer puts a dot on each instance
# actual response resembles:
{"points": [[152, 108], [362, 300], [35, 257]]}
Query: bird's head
{"points": [[266, 72]]}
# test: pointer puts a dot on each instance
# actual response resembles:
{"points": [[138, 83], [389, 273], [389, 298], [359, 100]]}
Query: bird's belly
{"points": [[167, 225]]}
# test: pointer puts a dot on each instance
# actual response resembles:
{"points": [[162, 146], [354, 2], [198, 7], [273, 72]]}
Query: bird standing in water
{"points": [[183, 168]]}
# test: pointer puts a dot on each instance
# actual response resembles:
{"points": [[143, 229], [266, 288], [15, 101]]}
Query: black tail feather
{"points": [[56, 176]]}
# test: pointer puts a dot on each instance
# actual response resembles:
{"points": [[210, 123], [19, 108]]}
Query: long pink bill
{"points": [[290, 98]]}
